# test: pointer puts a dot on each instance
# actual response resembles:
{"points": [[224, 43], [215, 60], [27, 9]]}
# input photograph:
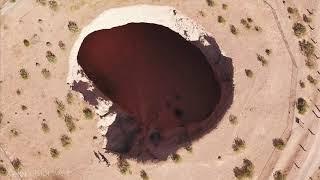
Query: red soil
{"points": [[152, 73]]}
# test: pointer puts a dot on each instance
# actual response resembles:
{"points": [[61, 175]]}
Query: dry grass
{"points": [[45, 73], [54, 153], [302, 105], [238, 144], [24, 73], [278, 175], [278, 143], [246, 171], [65, 140], [16, 163], [144, 175], [51, 57], [73, 27], [299, 29]]}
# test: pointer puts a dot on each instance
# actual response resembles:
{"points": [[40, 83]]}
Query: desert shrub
{"points": [[13, 1], [188, 148], [278, 175], [42, 2], [250, 20], [175, 158], [310, 63], [16, 163], [69, 123], [302, 105], [249, 73], [65, 140], [268, 51], [53, 5], [306, 19], [258, 28], [26, 42], [60, 107], [48, 44], [292, 10], [202, 13], [1, 117], [45, 73], [302, 85], [69, 98], [23, 107], [312, 80], [278, 143], [299, 29], [245, 23], [263, 61], [221, 19], [18, 91], [24, 74], [45, 128], [233, 30], [51, 57], [238, 144], [224, 6], [144, 175], [73, 27], [233, 119], [3, 171], [307, 48], [54, 153], [62, 45], [246, 171], [123, 166], [210, 3], [14, 132], [88, 114]]}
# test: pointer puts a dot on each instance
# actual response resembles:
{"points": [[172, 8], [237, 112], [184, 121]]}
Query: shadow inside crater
{"points": [[167, 91]]}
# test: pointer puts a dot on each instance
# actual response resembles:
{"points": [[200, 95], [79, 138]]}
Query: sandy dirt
{"points": [[263, 104]]}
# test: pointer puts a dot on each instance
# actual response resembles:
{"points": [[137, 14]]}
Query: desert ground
{"points": [[270, 131]]}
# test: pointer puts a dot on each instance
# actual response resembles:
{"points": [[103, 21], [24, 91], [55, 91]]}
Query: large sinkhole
{"points": [[162, 86]]}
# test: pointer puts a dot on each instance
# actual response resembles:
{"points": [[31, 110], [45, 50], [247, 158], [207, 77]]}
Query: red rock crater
{"points": [[160, 80]]}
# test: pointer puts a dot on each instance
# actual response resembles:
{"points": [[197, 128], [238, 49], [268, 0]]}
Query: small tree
{"points": [[45, 73], [53, 5], [307, 48], [65, 140], [69, 123], [69, 98], [246, 171], [175, 158], [312, 80], [306, 19], [26, 42], [278, 143], [73, 27], [54, 153], [233, 30], [263, 61], [299, 29], [221, 19], [233, 119], [45, 128], [210, 3], [51, 57]]}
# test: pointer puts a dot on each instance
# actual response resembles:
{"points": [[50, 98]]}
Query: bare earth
{"points": [[264, 104]]}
